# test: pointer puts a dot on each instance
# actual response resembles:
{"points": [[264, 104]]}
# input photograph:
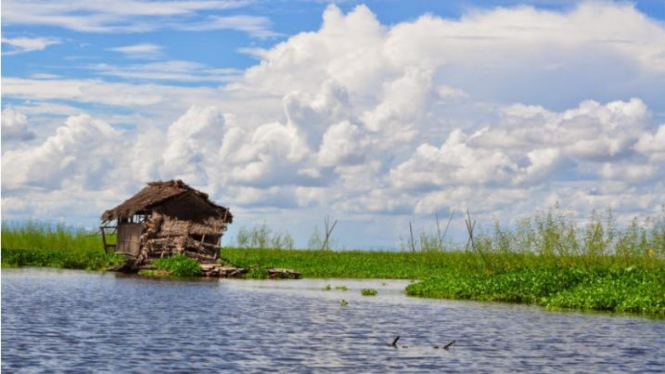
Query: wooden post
{"points": [[104, 239], [469, 227], [441, 236], [329, 230], [413, 244]]}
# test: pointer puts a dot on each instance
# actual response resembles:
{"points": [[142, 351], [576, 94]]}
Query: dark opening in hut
{"points": [[165, 219]]}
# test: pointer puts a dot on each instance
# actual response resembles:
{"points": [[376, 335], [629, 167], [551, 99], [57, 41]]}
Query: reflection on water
{"points": [[76, 321]]}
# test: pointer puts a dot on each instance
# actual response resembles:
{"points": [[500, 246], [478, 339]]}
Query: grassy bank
{"points": [[638, 290], [58, 246], [548, 260], [578, 282]]}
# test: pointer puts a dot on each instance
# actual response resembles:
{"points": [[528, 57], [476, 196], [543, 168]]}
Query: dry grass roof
{"points": [[157, 193]]}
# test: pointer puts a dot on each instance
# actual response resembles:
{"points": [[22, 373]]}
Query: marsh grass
{"points": [[36, 243], [257, 273], [548, 260], [179, 266], [261, 236], [369, 292], [630, 289]]}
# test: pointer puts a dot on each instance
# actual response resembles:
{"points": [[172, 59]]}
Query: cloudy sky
{"points": [[376, 113]]}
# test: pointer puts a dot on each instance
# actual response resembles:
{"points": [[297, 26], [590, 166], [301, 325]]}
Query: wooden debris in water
{"points": [[274, 273]]}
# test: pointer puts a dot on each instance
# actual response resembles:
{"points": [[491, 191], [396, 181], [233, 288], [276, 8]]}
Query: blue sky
{"points": [[222, 48], [381, 112]]}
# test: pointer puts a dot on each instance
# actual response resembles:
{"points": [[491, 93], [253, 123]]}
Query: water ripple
{"points": [[70, 321]]}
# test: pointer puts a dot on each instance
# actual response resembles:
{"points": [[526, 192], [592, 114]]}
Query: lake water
{"points": [[74, 321]]}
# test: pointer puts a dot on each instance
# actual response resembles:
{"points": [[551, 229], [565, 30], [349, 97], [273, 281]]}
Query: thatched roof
{"points": [[158, 193]]}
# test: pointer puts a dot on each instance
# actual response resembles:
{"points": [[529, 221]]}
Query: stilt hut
{"points": [[165, 219]]}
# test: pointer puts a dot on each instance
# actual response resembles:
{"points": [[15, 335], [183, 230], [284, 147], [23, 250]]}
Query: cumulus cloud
{"points": [[198, 131], [423, 116], [82, 151], [15, 126], [487, 54], [342, 144], [653, 144]]}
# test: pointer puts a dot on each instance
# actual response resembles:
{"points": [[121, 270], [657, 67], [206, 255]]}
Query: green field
{"points": [[58, 246], [548, 260], [601, 283]]}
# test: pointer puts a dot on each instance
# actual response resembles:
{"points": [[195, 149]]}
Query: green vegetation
{"points": [[630, 289], [338, 288], [257, 273], [155, 273], [369, 292], [35, 243], [548, 260], [347, 264], [179, 266], [261, 236]]}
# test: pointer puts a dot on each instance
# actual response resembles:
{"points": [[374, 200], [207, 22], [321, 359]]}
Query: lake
{"points": [[75, 321]]}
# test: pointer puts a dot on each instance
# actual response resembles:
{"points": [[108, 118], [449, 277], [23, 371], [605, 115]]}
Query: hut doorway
{"points": [[129, 238]]}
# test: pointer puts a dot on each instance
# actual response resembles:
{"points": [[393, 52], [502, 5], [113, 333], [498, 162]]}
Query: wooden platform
{"points": [[220, 271]]}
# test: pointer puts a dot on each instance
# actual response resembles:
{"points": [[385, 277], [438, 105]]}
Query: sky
{"points": [[375, 113]]}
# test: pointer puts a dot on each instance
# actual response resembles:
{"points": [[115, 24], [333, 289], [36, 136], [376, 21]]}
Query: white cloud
{"points": [[343, 144], [129, 95], [197, 132], [143, 50], [83, 151], [256, 26], [364, 119], [15, 126], [454, 163], [491, 55], [24, 44], [173, 70], [133, 15], [653, 144]]}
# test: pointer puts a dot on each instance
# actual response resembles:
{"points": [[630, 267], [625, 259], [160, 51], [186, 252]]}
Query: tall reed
{"points": [[37, 243]]}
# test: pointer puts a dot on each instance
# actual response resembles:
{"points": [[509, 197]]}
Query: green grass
{"points": [[58, 246], [257, 273], [155, 273], [578, 282], [547, 260], [635, 290], [369, 292], [347, 264], [179, 266]]}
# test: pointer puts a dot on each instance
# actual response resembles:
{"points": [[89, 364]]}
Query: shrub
{"points": [[179, 266]]}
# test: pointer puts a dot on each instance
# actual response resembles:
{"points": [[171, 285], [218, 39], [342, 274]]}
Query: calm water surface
{"points": [[72, 321]]}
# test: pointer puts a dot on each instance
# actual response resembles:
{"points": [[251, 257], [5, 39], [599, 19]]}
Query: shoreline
{"points": [[553, 283], [344, 281]]}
